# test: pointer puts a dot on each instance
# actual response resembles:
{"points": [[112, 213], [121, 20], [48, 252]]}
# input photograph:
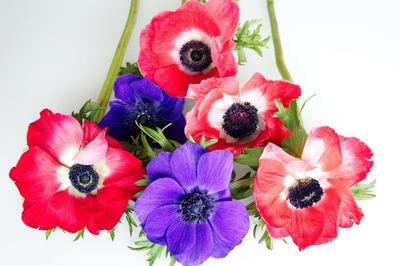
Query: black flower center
{"points": [[83, 178], [195, 56], [145, 113], [240, 120], [305, 193], [196, 207]]}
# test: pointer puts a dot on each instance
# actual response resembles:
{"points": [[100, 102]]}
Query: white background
{"points": [[55, 54]]}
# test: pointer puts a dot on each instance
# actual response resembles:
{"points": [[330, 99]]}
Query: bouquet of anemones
{"points": [[172, 173]]}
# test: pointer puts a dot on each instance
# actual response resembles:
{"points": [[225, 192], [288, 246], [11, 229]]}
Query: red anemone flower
{"points": [[239, 119], [74, 176], [190, 44], [309, 198]]}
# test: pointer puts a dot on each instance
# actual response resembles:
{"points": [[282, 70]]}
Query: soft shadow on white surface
{"points": [[55, 54]]}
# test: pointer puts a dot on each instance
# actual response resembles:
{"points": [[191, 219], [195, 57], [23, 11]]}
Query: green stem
{"points": [[183, 1], [105, 93], [279, 59], [280, 62]]}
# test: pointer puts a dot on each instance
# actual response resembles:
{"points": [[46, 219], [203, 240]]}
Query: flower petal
{"points": [[161, 192], [115, 123], [356, 161], [349, 212], [221, 247], [58, 134], [93, 152], [120, 171], [159, 166], [155, 229], [91, 130], [323, 149], [35, 174], [123, 88], [214, 171], [226, 13], [105, 217], [171, 108], [202, 248], [181, 236], [230, 221], [184, 162], [306, 226], [147, 89], [176, 131]]}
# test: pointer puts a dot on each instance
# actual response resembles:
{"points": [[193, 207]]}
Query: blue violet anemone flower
{"points": [[139, 99], [188, 205]]}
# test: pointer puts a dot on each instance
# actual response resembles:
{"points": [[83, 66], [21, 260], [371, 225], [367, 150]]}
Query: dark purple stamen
{"points": [[195, 56], [240, 120]]}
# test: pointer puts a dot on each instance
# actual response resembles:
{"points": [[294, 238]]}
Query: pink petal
{"points": [[323, 149], [91, 130], [226, 13], [356, 161], [93, 152]]}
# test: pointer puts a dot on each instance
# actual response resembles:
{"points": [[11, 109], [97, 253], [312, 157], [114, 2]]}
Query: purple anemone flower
{"points": [[139, 99], [188, 206]]}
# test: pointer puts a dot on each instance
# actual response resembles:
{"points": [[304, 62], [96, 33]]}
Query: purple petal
{"points": [[176, 131], [221, 248], [147, 89], [158, 221], [161, 192], [123, 89], [184, 164], [172, 108], [230, 221], [181, 236], [214, 171], [159, 167], [202, 249], [114, 121]]}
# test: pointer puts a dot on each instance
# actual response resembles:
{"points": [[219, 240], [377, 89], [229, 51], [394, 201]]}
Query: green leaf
{"points": [[207, 143], [306, 101], [112, 234], [290, 118], [248, 37], [87, 111], [131, 222], [158, 136], [130, 69], [154, 251], [250, 157], [79, 235], [364, 191], [143, 182], [49, 232], [242, 188]]}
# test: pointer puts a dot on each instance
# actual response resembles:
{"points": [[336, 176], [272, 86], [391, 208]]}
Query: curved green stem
{"points": [[280, 62], [105, 93], [183, 1]]}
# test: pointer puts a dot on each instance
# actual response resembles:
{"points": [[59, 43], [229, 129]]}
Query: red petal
{"points": [[125, 169], [175, 82], [356, 161], [273, 90], [35, 175], [323, 149], [306, 226], [56, 134], [349, 212], [226, 13]]}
